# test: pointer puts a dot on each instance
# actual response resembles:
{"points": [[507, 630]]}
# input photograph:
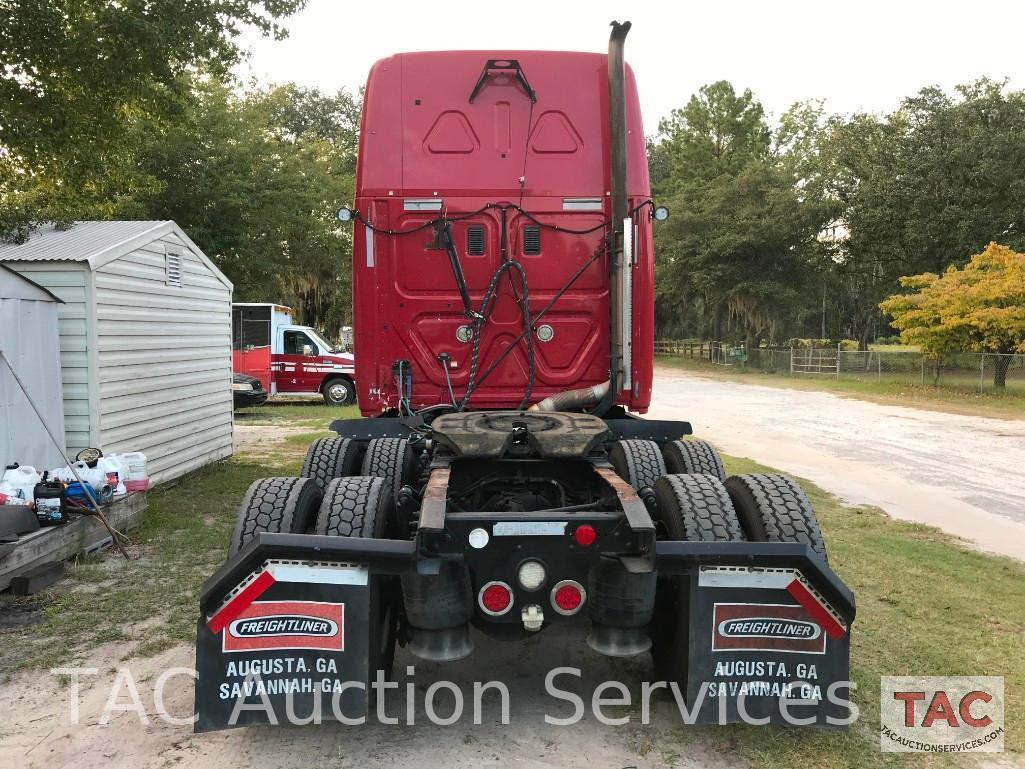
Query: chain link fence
{"points": [[983, 372]]}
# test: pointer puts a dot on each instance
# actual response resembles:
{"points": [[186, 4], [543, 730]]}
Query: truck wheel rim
{"points": [[338, 392]]}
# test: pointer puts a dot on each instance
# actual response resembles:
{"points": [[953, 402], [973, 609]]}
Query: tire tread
{"points": [[281, 505], [774, 508], [390, 459], [329, 458], [638, 461], [703, 506], [694, 457]]}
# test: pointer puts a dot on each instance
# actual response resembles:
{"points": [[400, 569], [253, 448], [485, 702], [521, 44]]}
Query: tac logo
{"points": [[269, 625], [765, 627], [948, 714]]}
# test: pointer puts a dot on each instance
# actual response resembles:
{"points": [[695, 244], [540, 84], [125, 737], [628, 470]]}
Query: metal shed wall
{"points": [[145, 348], [71, 282], [29, 339], [164, 357]]}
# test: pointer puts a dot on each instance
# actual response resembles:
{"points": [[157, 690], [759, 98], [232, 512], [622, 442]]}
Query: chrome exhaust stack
{"points": [[620, 287]]}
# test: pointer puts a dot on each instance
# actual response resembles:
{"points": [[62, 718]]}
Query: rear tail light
{"points": [[495, 598], [568, 597], [584, 535]]}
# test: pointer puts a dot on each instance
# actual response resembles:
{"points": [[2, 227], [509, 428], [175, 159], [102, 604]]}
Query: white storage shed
{"points": [[28, 338], [145, 339]]}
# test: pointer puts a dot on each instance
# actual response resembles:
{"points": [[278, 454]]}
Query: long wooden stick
{"points": [[115, 535]]}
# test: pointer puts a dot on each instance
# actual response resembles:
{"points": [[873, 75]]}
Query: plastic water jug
{"points": [[63, 474], [116, 472], [9, 495], [135, 466], [94, 476], [24, 479]]}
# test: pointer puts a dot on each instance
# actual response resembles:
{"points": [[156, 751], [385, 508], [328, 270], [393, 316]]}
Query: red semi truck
{"points": [[501, 483], [288, 358]]}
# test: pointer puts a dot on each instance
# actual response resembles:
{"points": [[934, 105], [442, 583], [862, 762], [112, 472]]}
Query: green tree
{"points": [[718, 132], [743, 238], [255, 179], [75, 75], [938, 179], [978, 307]]}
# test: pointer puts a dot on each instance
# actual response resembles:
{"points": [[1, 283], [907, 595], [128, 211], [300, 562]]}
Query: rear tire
{"points": [[638, 462], [330, 458], [392, 459], [277, 505], [339, 392], [696, 508], [693, 457], [361, 507], [691, 508], [774, 508]]}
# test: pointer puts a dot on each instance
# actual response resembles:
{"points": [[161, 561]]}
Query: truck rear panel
{"points": [[427, 152]]}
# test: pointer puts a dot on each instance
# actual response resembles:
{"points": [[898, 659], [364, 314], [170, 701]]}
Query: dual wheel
{"points": [[694, 501], [344, 491]]}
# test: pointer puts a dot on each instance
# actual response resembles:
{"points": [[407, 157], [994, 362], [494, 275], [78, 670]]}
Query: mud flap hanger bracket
{"points": [[380, 556], [756, 557]]}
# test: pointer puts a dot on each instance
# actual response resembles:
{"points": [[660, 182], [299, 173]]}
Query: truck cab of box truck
{"points": [[288, 358]]}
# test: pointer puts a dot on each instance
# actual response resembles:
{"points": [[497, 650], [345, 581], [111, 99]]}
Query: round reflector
{"points": [[584, 535], [495, 598], [567, 597], [531, 575]]}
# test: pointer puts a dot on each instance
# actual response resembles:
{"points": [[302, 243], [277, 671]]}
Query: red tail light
{"points": [[584, 535], [568, 597], [495, 598]]}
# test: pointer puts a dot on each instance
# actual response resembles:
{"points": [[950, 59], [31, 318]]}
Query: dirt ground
{"points": [[959, 473], [951, 471], [35, 729]]}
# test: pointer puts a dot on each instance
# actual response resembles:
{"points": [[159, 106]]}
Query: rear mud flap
{"points": [[297, 653], [769, 634], [289, 645], [283, 631]]}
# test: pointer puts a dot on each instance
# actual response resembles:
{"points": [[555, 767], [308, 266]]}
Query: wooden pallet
{"points": [[83, 534]]}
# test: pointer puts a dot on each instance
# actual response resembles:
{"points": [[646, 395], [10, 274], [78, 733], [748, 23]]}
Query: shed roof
{"points": [[96, 243], [33, 289]]}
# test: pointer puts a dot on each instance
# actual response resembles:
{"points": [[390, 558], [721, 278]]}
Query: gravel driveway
{"points": [[962, 474]]}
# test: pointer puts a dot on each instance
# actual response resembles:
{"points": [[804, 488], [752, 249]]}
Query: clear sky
{"points": [[857, 55]]}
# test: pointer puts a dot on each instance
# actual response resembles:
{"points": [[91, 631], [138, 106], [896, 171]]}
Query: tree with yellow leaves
{"points": [[980, 307]]}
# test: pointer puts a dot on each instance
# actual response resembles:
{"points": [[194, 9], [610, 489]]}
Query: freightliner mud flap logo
{"points": [[291, 640], [765, 647], [765, 627], [271, 625]]}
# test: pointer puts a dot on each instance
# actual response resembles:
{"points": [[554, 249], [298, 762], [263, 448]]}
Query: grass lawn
{"points": [[896, 392], [926, 605], [294, 412]]}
